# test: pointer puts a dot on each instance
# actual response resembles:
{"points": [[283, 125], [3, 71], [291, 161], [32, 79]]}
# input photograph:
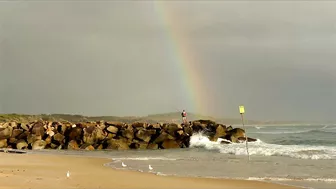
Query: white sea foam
{"points": [[292, 179], [283, 132], [261, 148], [327, 130], [143, 158]]}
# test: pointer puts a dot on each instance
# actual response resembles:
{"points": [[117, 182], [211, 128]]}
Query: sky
{"points": [[113, 58]]}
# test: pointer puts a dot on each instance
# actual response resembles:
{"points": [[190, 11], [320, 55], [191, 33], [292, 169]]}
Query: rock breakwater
{"points": [[110, 135]]}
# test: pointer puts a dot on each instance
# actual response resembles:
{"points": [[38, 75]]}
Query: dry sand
{"points": [[49, 171]]}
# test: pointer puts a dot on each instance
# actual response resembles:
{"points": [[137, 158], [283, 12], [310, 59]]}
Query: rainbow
{"points": [[183, 57]]}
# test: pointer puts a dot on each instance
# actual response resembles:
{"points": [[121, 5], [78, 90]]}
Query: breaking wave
{"points": [[260, 148]]}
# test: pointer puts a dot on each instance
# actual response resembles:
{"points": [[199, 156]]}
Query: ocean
{"points": [[296, 155]]}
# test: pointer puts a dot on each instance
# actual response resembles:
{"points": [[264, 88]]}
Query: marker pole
{"points": [[242, 111]]}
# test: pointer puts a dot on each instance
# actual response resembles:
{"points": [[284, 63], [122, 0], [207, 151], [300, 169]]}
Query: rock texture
{"points": [[111, 135]]}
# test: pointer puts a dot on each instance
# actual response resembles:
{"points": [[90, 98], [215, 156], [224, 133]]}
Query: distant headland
{"points": [[171, 117]]}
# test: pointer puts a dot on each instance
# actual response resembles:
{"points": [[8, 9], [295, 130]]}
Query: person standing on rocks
{"points": [[184, 116]]}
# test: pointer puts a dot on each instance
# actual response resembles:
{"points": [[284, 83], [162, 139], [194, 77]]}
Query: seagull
{"points": [[124, 165], [68, 174], [150, 167]]}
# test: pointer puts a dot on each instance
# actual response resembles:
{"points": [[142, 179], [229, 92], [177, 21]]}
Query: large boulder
{"points": [[31, 138], [63, 127], [38, 129], [229, 128], [154, 126], [234, 134], [24, 126], [180, 133], [220, 132], [87, 147], [185, 141], [210, 129], [171, 128], [118, 144], [101, 125], [39, 145], [167, 144], [197, 126], [72, 145], [48, 140], [6, 133], [4, 125], [162, 137], [3, 143], [138, 125], [206, 122], [188, 130], [95, 136], [112, 129], [74, 133], [89, 137], [144, 135], [50, 131], [13, 124], [23, 135], [128, 132], [99, 147], [55, 146], [16, 132], [152, 146], [136, 144], [119, 125], [11, 140], [59, 138], [21, 144], [110, 136]]}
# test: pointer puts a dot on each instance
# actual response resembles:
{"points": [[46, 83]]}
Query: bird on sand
{"points": [[68, 174], [124, 165], [150, 167]]}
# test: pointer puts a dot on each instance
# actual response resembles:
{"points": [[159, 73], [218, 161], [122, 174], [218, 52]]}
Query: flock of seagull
{"points": [[149, 166], [122, 164]]}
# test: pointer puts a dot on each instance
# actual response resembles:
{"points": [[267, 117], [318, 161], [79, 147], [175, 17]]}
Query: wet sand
{"points": [[49, 171]]}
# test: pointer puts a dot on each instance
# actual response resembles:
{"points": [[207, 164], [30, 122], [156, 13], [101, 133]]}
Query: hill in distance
{"points": [[172, 117]]}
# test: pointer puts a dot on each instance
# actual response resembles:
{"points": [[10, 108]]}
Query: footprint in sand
{"points": [[5, 175]]}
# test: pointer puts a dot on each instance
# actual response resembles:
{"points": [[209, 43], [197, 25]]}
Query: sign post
{"points": [[242, 111]]}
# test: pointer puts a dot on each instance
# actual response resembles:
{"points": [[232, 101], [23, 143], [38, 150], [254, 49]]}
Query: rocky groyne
{"points": [[111, 135]]}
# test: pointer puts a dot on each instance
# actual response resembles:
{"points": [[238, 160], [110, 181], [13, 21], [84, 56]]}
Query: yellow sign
{"points": [[241, 109]]}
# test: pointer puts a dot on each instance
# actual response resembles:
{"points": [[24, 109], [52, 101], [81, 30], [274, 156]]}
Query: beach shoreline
{"points": [[49, 171]]}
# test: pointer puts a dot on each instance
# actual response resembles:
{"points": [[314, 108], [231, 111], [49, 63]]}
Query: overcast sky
{"points": [[112, 58]]}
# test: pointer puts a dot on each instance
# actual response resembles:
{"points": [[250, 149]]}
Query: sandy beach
{"points": [[49, 171]]}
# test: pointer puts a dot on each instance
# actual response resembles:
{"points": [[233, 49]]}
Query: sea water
{"points": [[296, 155]]}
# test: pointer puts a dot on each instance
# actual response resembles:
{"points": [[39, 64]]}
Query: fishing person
{"points": [[184, 116]]}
